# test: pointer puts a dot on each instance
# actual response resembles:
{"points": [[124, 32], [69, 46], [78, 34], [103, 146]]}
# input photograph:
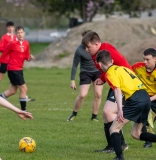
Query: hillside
{"points": [[130, 36]]}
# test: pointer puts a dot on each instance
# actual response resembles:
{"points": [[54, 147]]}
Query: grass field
{"points": [[56, 138]]}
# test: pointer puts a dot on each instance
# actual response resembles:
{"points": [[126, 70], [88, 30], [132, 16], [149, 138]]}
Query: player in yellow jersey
{"points": [[146, 71], [137, 101]]}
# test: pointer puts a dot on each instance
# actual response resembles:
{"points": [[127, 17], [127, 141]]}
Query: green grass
{"points": [[37, 47], [56, 138]]}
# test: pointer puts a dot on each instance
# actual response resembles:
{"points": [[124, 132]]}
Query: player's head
{"points": [[10, 27], [104, 59], [92, 42], [20, 33], [149, 57]]}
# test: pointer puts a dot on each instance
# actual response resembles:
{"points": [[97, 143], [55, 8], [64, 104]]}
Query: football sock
{"points": [[122, 137], [116, 143], [94, 116], [3, 96], [74, 113], [148, 137], [144, 130], [107, 133], [23, 103]]}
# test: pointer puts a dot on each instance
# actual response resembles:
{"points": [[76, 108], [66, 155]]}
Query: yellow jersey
{"points": [[123, 78], [147, 78]]}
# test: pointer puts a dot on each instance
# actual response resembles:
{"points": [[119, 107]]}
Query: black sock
{"points": [[23, 103], [94, 115], [116, 142], [107, 133], [148, 137], [144, 129], [74, 113], [122, 138]]}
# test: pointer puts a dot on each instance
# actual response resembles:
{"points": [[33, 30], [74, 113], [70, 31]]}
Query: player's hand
{"points": [[120, 117], [31, 57], [73, 85], [99, 82], [24, 115]]}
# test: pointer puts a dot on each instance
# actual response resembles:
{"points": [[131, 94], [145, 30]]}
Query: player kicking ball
{"points": [[18, 51], [137, 101]]}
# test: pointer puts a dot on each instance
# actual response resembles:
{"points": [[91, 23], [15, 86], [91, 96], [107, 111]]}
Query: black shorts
{"points": [[137, 107], [3, 68], [153, 106], [16, 77], [88, 77], [111, 96]]}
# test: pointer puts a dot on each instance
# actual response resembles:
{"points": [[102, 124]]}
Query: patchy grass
{"points": [[56, 138]]}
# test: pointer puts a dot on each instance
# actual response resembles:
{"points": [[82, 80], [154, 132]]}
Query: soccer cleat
{"points": [[28, 99], [124, 146], [95, 119], [147, 144], [119, 158], [71, 117], [107, 150]]}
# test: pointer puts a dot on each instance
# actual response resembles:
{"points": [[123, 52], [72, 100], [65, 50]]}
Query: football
{"points": [[27, 144]]}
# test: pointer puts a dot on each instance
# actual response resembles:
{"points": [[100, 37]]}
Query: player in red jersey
{"points": [[18, 51], [6, 38], [93, 44]]}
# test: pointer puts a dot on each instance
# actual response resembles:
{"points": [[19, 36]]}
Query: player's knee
{"points": [[82, 96]]}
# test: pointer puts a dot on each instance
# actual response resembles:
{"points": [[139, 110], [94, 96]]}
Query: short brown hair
{"points": [[90, 37], [84, 32], [103, 56], [19, 28]]}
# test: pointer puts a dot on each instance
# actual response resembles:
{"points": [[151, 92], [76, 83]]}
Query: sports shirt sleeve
{"points": [[27, 53], [6, 51], [76, 61], [2, 45], [113, 80]]}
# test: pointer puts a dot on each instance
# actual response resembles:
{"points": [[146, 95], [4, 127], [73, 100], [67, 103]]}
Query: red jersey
{"points": [[6, 38], [118, 58], [18, 52]]}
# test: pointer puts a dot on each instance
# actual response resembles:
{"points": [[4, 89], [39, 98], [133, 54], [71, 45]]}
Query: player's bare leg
{"points": [[83, 91], [97, 100], [1, 76], [11, 91]]}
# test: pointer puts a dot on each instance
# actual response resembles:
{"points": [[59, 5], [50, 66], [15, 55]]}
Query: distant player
{"points": [[88, 73], [93, 44], [137, 101], [146, 71], [5, 40], [18, 51]]}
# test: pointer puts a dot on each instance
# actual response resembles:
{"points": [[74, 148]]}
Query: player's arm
{"points": [[22, 114], [2, 46], [6, 51], [28, 56], [153, 98], [118, 96], [76, 61]]}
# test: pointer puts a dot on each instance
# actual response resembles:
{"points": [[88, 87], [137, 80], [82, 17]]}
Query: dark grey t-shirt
{"points": [[86, 63]]}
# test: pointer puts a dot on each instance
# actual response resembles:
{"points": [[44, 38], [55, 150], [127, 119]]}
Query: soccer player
{"points": [[146, 71], [6, 38], [93, 44], [18, 51], [137, 101], [88, 73]]}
